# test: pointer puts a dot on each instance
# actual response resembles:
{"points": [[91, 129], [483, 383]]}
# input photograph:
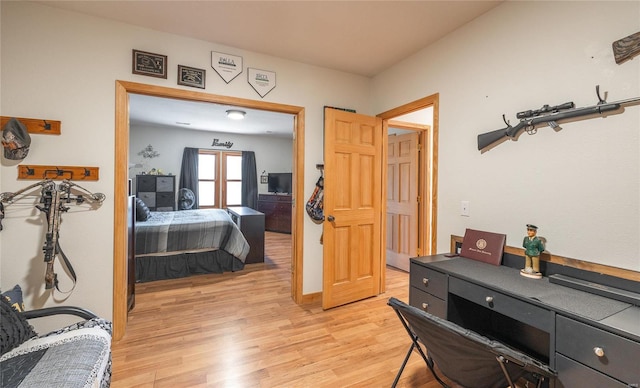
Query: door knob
{"points": [[331, 218]]}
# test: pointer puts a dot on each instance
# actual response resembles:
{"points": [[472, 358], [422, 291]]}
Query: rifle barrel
{"points": [[627, 101]]}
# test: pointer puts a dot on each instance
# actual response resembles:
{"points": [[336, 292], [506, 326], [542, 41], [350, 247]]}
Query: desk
{"points": [[590, 340]]}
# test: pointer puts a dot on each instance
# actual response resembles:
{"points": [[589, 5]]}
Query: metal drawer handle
{"points": [[425, 306], [425, 281], [489, 299], [598, 351]]}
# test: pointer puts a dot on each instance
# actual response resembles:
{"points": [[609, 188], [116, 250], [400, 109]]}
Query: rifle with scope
{"points": [[530, 120]]}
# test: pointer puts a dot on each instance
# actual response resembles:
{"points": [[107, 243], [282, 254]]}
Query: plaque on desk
{"points": [[483, 246]]}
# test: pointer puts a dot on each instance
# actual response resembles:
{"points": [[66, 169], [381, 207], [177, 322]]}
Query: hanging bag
{"points": [[314, 204]]}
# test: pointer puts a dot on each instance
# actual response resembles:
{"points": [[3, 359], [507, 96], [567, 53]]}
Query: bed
{"points": [[181, 243]]}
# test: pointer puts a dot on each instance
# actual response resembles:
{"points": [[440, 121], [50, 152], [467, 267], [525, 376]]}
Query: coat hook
{"points": [[47, 126]]}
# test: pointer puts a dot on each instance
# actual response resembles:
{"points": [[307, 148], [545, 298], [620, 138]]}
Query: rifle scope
{"points": [[545, 109]]}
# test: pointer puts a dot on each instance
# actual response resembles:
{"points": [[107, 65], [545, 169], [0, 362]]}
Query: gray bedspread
{"points": [[199, 230]]}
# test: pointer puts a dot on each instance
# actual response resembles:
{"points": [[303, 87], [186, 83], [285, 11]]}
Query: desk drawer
{"points": [[425, 279], [427, 302], [579, 342], [519, 310], [572, 374]]}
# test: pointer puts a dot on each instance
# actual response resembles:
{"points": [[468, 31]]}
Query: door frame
{"points": [[121, 174], [428, 205]]}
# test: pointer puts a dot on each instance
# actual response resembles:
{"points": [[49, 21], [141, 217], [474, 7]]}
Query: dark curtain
{"points": [[249, 180], [189, 172]]}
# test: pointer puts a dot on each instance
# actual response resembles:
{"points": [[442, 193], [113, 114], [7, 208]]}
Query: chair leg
{"points": [[502, 362], [404, 363], [540, 379], [414, 345]]}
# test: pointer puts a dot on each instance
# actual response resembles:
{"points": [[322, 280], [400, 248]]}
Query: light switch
{"points": [[464, 208]]}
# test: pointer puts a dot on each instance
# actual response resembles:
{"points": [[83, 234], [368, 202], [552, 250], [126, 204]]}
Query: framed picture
{"points": [[264, 179], [190, 76], [153, 65]]}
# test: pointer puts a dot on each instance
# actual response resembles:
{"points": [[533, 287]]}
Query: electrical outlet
{"points": [[464, 208]]}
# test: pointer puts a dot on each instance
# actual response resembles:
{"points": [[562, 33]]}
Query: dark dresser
{"points": [[277, 212], [251, 224]]}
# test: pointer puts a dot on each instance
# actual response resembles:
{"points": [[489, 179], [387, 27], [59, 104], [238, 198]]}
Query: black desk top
{"points": [[605, 312]]}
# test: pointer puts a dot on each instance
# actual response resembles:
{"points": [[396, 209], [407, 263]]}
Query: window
{"points": [[219, 179]]}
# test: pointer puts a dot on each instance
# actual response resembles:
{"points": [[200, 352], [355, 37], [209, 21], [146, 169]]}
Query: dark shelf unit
{"points": [[158, 192]]}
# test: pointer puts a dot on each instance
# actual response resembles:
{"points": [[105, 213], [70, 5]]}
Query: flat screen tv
{"points": [[279, 182]]}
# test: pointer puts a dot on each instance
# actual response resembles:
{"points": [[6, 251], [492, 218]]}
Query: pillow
{"points": [[14, 296], [142, 211], [15, 328]]}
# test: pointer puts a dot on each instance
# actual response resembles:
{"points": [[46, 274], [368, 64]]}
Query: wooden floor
{"points": [[243, 330]]}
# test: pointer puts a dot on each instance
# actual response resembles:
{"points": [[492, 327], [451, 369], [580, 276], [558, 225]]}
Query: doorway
{"points": [[123, 89], [421, 117], [403, 181]]}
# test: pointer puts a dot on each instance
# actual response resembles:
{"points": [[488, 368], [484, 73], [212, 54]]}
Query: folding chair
{"points": [[462, 355]]}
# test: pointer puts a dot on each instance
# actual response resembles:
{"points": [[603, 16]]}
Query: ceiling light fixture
{"points": [[235, 114]]}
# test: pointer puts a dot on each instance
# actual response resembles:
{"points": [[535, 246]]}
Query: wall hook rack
{"points": [[79, 173], [36, 126]]}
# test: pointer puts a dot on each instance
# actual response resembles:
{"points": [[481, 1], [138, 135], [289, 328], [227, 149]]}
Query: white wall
{"points": [[63, 65], [273, 154], [579, 185]]}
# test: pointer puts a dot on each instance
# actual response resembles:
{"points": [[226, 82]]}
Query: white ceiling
{"points": [[358, 36], [205, 116]]}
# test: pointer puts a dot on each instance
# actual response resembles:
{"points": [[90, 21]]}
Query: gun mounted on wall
{"points": [[530, 120], [626, 48]]}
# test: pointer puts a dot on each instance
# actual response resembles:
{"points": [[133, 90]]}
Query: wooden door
{"points": [[402, 200], [352, 237]]}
